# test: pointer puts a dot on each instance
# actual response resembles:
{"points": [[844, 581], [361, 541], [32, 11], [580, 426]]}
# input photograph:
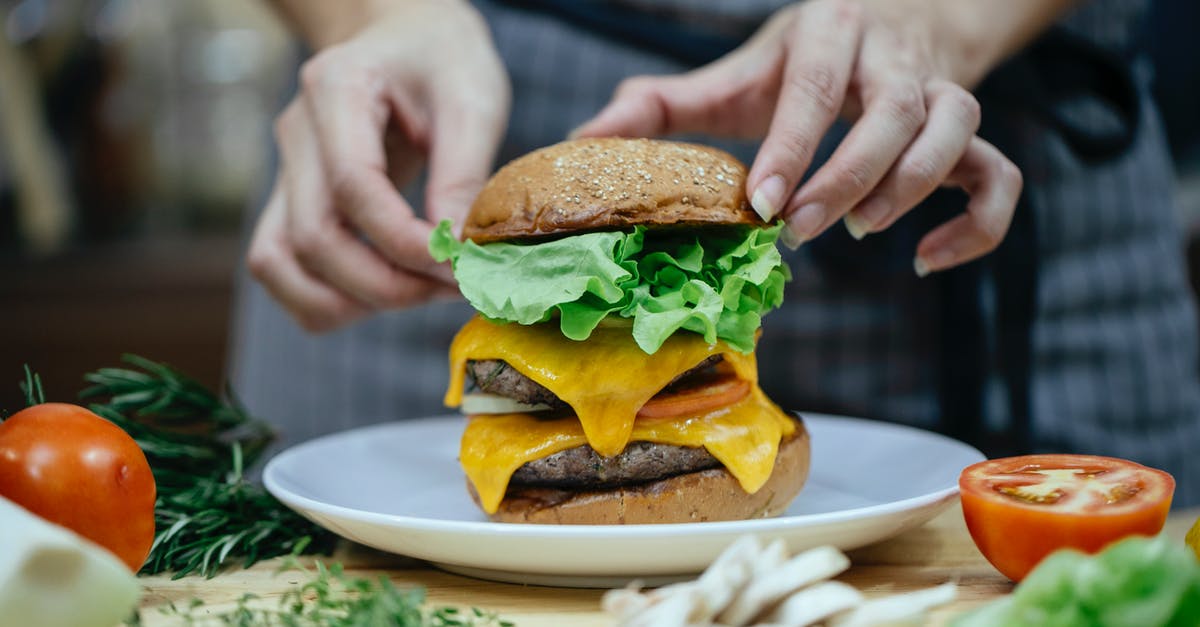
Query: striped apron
{"points": [[1079, 334]]}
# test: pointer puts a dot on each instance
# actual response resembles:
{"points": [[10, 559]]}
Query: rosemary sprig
{"points": [[162, 392], [198, 445], [32, 388], [204, 521], [335, 599]]}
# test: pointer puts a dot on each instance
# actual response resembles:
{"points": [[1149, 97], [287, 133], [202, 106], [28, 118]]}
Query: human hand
{"points": [[336, 240], [889, 66]]}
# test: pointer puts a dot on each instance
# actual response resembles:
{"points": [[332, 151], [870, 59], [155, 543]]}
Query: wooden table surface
{"points": [[938, 552]]}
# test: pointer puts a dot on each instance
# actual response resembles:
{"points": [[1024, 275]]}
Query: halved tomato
{"points": [[1021, 509]]}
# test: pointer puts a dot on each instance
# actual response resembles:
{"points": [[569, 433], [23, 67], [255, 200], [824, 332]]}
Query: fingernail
{"points": [[855, 225], [863, 218], [920, 267], [768, 197], [789, 239], [804, 222], [574, 134]]}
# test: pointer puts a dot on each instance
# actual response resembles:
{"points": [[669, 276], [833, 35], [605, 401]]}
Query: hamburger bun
{"points": [[707, 495], [610, 183]]}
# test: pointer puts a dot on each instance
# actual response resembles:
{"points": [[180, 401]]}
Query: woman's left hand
{"points": [[885, 65]]}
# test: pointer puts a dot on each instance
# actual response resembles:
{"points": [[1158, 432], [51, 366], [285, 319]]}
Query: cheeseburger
{"points": [[609, 376]]}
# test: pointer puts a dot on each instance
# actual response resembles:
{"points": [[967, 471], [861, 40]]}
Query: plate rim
{"points": [[603, 532]]}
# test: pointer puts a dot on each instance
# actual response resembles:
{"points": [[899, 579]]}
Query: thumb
{"points": [[462, 150]]}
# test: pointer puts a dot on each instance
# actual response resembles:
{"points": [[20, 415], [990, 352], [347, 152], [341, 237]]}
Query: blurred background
{"points": [[135, 135]]}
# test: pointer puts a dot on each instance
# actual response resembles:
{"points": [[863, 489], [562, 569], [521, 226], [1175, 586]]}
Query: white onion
{"points": [[51, 577], [480, 403]]}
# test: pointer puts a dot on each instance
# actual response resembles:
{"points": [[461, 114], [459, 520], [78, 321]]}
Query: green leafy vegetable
{"points": [[198, 445], [716, 282], [333, 599], [31, 387], [1137, 582]]}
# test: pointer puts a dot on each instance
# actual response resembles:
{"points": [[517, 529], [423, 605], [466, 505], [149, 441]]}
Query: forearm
{"points": [[321, 22], [979, 34], [992, 31]]}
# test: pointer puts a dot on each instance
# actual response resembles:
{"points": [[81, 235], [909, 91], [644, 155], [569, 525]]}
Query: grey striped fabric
{"points": [[1115, 357]]}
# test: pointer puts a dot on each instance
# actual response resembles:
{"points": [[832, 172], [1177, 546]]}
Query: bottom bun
{"points": [[707, 495]]}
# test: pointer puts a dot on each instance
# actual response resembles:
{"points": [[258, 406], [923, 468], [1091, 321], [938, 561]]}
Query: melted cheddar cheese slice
{"points": [[605, 379], [744, 437]]}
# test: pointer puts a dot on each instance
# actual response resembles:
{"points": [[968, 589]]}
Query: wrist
{"points": [[982, 34], [968, 38], [322, 23]]}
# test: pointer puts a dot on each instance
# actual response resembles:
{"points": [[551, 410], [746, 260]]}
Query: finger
{"points": [[349, 114], [323, 244], [467, 129], [890, 121], [994, 184], [952, 121], [729, 97], [892, 101], [315, 306], [822, 48]]}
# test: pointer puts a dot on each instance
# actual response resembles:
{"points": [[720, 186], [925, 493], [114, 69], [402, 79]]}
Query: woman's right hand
{"points": [[409, 82], [898, 70]]}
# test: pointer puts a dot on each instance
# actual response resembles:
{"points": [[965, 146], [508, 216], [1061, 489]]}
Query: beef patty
{"points": [[640, 462], [497, 377], [582, 467]]}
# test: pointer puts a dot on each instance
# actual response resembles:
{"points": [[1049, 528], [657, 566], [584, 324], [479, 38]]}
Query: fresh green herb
{"points": [[1137, 582], [198, 445], [334, 599], [32, 388]]}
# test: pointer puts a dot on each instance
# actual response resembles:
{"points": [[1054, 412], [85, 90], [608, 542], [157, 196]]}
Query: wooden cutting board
{"points": [[933, 554]]}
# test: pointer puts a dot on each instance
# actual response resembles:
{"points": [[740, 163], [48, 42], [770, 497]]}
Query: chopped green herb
{"points": [[334, 599]]}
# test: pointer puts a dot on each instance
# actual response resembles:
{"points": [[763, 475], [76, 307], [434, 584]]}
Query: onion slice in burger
{"points": [[483, 403]]}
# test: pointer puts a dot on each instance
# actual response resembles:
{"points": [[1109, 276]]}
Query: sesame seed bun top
{"points": [[610, 183]]}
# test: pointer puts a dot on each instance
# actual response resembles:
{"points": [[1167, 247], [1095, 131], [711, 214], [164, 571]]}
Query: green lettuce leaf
{"points": [[717, 283], [1137, 582]]}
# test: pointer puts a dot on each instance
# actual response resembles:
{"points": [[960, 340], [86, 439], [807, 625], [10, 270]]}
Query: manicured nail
{"points": [[862, 219], [920, 267], [789, 239], [804, 222], [855, 225], [768, 197]]}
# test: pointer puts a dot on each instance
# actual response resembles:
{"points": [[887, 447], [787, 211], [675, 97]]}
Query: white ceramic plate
{"points": [[398, 487]]}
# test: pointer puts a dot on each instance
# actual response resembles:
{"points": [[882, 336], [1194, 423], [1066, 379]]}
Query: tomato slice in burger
{"points": [[703, 396], [1021, 509]]}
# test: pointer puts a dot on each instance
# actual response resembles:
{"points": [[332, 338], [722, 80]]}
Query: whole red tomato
{"points": [[1021, 509], [78, 470]]}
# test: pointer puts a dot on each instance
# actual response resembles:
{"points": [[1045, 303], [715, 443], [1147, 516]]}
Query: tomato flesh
{"points": [[76, 469], [1020, 509], [704, 394]]}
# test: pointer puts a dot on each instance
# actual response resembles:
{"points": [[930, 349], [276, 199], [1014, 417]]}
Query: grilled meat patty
{"points": [[640, 462], [582, 467], [497, 377]]}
